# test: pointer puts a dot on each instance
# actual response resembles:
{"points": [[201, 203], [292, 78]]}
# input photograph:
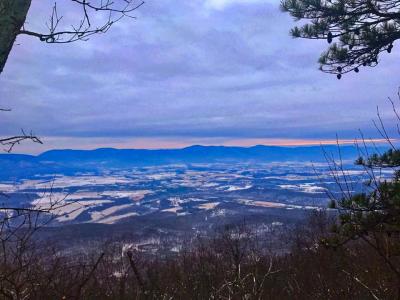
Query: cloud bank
{"points": [[200, 70]]}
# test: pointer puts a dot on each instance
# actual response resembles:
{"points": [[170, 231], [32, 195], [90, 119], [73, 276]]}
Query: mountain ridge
{"points": [[277, 151], [69, 161]]}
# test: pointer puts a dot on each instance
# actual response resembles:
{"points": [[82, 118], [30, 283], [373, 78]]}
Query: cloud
{"points": [[183, 70], [221, 4]]}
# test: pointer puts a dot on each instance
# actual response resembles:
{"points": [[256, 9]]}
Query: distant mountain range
{"points": [[14, 166]]}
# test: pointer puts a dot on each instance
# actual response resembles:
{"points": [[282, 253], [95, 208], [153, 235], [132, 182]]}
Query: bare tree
{"points": [[13, 14]]}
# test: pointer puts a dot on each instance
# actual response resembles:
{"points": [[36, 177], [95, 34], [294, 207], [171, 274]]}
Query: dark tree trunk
{"points": [[12, 18]]}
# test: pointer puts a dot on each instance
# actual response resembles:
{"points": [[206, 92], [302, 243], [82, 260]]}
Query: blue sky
{"points": [[187, 72]]}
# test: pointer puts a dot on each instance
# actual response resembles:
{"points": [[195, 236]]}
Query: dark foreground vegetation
{"points": [[234, 263], [351, 251]]}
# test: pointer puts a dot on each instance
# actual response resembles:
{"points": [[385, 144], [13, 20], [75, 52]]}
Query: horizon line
{"points": [[165, 144]]}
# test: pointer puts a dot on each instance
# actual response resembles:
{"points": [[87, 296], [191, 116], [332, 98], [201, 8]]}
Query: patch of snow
{"points": [[310, 188], [98, 216], [208, 206], [262, 203], [134, 195], [173, 209], [218, 213], [238, 188], [276, 223]]}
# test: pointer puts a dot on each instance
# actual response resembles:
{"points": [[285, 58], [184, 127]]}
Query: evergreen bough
{"points": [[358, 31]]}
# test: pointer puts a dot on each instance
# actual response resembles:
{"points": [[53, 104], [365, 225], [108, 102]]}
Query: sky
{"points": [[211, 72]]}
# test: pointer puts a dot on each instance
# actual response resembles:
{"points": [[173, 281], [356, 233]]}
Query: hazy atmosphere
{"points": [[186, 72], [199, 150]]}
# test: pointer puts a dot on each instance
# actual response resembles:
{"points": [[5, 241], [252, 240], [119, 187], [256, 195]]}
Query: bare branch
{"points": [[11, 142], [84, 28]]}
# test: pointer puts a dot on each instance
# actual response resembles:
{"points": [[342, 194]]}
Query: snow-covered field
{"points": [[120, 195]]}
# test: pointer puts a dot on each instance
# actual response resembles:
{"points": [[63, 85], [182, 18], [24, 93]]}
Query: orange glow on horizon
{"points": [[176, 143], [303, 142]]}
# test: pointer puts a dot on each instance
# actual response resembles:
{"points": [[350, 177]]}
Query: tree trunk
{"points": [[12, 17]]}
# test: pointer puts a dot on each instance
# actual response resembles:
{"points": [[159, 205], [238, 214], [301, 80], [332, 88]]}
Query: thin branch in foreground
{"points": [[11, 142]]}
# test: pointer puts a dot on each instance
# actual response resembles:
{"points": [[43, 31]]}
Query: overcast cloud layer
{"points": [[204, 71]]}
